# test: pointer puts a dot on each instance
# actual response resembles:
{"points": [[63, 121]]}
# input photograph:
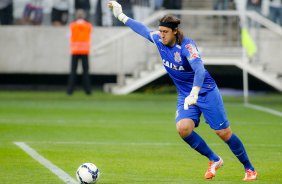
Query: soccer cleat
{"points": [[250, 175], [213, 166]]}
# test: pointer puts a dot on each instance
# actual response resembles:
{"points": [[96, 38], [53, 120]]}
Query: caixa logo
{"points": [[172, 66]]}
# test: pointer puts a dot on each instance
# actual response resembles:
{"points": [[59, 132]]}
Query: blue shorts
{"points": [[211, 105]]}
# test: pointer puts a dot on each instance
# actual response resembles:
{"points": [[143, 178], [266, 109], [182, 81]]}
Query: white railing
{"points": [[254, 16]]}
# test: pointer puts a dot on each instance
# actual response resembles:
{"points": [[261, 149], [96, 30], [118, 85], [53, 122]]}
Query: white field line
{"points": [[141, 143], [46, 163], [264, 109]]}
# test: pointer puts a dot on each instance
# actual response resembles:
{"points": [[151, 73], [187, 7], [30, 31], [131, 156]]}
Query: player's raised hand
{"points": [[192, 98], [116, 8]]}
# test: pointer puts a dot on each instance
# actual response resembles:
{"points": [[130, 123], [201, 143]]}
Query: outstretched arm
{"points": [[140, 29], [136, 26]]}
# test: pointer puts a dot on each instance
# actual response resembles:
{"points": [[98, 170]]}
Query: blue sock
{"points": [[239, 151], [197, 143]]}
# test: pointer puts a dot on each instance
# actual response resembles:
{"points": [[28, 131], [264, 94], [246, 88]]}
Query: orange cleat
{"points": [[250, 175], [213, 166]]}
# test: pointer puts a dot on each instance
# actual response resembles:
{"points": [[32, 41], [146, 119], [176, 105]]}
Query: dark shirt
{"points": [[82, 4], [126, 4], [172, 4], [254, 3]]}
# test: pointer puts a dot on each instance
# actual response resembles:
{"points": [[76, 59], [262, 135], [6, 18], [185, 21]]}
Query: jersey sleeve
{"points": [[190, 51], [192, 54], [140, 29]]}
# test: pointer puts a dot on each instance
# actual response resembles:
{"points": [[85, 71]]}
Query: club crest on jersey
{"points": [[177, 57], [192, 51]]}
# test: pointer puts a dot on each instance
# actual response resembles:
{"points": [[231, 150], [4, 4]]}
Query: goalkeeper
{"points": [[197, 90]]}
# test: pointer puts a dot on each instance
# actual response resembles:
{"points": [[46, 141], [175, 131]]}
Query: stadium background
{"points": [[37, 57], [132, 138]]}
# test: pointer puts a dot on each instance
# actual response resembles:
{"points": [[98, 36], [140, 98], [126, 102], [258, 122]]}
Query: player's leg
{"points": [[86, 77], [187, 120], [6, 15], [215, 115], [72, 75], [237, 147], [185, 129]]}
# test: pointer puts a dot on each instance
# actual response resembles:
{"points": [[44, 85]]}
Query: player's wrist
{"points": [[122, 17], [195, 91]]}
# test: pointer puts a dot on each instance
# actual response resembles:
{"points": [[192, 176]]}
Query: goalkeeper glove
{"points": [[116, 8], [192, 98]]}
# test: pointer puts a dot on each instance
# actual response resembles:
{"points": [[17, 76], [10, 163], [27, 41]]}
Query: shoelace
{"points": [[209, 168], [249, 172]]}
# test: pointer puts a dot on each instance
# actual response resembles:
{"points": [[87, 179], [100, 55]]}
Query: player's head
{"points": [[80, 14], [169, 31]]}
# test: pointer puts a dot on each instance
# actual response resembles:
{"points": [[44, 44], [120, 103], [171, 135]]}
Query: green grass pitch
{"points": [[132, 139]]}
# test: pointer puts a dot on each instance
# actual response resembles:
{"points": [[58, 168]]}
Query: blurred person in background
{"points": [[197, 91], [172, 4], [275, 11], [158, 4], [221, 4], [220, 22], [83, 5], [142, 9], [127, 6], [60, 12], [80, 40], [254, 5], [6, 12], [33, 12], [103, 16]]}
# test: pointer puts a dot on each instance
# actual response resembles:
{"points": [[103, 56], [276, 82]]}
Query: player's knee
{"points": [[224, 134], [185, 127]]}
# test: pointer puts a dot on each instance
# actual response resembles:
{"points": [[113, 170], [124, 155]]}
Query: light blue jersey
{"points": [[185, 67], [177, 61]]}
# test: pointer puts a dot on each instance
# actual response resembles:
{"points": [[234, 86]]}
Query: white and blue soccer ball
{"points": [[87, 173]]}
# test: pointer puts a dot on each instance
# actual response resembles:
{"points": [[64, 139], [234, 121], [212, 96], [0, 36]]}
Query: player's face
{"points": [[167, 35]]}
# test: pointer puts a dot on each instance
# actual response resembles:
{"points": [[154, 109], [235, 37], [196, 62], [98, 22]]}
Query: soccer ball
{"points": [[87, 173]]}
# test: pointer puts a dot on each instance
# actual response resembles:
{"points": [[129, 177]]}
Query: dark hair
{"points": [[171, 19]]}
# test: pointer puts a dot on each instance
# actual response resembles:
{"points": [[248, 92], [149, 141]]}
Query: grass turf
{"points": [[132, 139]]}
